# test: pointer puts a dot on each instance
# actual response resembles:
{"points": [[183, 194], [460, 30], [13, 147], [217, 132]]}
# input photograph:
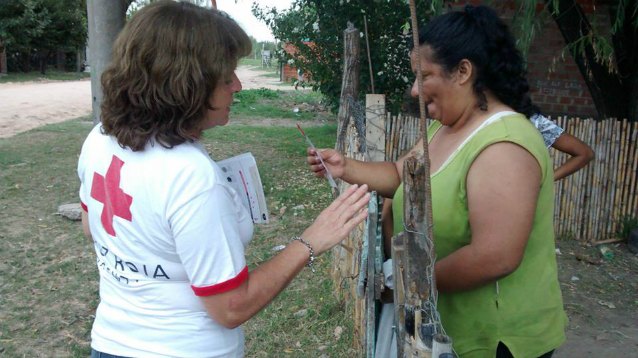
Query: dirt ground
{"points": [[27, 105], [601, 297]]}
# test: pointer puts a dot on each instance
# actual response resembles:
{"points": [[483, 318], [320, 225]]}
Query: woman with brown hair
{"points": [[169, 232]]}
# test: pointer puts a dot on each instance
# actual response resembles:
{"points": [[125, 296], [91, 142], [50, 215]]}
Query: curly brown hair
{"points": [[166, 63]]}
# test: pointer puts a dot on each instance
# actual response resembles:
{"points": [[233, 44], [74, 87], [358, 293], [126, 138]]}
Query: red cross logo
{"points": [[107, 191]]}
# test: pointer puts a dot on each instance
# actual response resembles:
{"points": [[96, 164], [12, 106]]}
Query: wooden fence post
{"points": [[375, 126], [411, 255], [375, 146], [349, 82]]}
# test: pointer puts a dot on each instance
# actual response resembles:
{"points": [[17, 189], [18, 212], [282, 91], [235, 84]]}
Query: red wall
{"points": [[288, 73]]}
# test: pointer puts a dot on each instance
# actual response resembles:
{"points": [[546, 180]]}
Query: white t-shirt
{"points": [[167, 228]]}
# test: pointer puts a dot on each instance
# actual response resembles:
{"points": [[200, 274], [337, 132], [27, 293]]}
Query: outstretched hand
{"points": [[337, 220], [331, 158]]}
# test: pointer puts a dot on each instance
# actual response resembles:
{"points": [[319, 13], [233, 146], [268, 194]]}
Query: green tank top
{"points": [[524, 310]]}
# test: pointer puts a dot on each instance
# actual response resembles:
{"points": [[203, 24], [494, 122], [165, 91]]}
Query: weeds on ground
{"points": [[262, 102], [627, 225], [48, 278]]}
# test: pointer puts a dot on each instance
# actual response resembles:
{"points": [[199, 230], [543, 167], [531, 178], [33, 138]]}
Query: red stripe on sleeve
{"points": [[222, 286], [84, 207]]}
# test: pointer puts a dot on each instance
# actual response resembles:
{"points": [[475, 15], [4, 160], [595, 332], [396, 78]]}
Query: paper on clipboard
{"points": [[242, 174]]}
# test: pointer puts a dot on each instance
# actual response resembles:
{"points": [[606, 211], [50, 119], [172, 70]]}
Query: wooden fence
{"points": [[592, 203]]}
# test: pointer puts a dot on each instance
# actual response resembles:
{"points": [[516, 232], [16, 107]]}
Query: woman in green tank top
{"points": [[492, 190]]}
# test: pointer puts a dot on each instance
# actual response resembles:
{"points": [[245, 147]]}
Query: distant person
{"points": [[556, 137], [300, 78], [169, 232]]}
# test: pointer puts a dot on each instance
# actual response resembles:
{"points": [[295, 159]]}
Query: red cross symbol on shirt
{"points": [[106, 189]]}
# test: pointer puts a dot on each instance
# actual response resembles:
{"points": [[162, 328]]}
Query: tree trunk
{"points": [[605, 88], [43, 57], [106, 19], [78, 61], [3, 59], [60, 60], [625, 42], [26, 60]]}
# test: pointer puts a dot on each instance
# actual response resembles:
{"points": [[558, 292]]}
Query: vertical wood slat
{"points": [[388, 130], [606, 183], [590, 170], [571, 189], [601, 160], [575, 191], [600, 210], [625, 141], [633, 192], [557, 187], [613, 173], [582, 178], [600, 153], [620, 175], [609, 178], [578, 179], [562, 227]]}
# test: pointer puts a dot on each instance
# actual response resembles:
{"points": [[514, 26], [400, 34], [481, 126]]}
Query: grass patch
{"points": [[627, 225], [298, 105], [49, 76], [48, 278]]}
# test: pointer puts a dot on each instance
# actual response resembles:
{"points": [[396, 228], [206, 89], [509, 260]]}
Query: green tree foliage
{"points": [[605, 47], [39, 28], [315, 28]]}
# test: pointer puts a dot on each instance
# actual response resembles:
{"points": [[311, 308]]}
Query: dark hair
{"points": [[480, 36], [166, 63]]}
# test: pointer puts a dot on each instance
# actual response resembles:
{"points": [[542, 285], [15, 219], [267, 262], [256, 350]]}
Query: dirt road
{"points": [[27, 105]]}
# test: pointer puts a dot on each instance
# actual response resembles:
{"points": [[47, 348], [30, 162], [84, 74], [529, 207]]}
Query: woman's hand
{"points": [[234, 307], [334, 161], [338, 219]]}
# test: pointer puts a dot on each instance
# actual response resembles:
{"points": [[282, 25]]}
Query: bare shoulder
{"points": [[503, 162]]}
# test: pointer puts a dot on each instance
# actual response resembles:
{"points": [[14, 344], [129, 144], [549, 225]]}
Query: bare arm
{"points": [[502, 189], [581, 155], [234, 307], [85, 224], [383, 177], [379, 176]]}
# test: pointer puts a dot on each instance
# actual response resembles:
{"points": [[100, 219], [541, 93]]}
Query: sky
{"points": [[240, 11]]}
